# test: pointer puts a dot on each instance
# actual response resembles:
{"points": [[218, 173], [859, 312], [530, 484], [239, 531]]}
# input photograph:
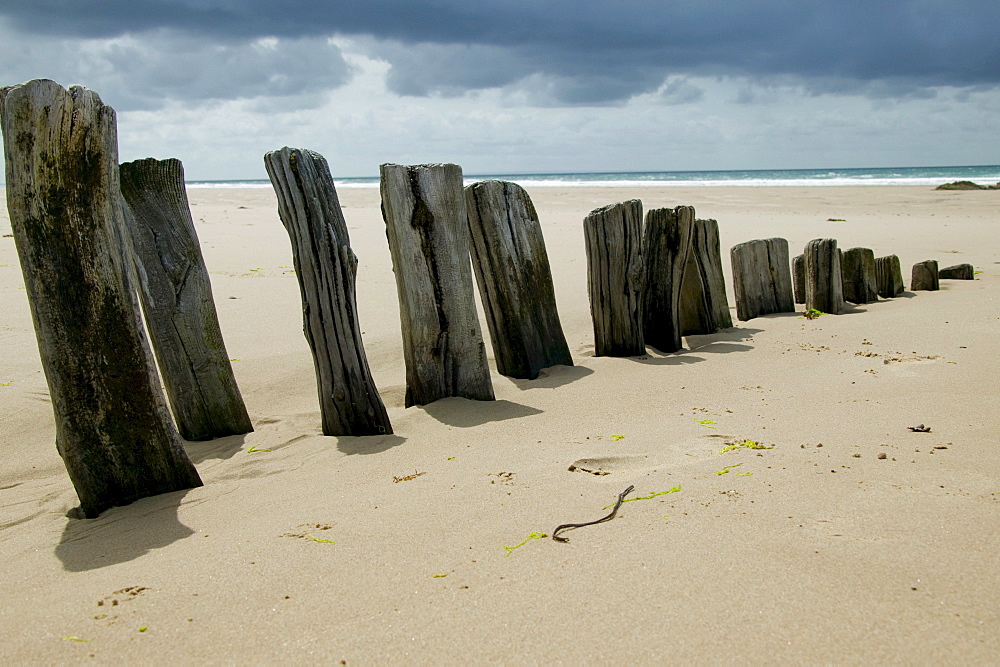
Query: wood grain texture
{"points": [[427, 227], [113, 430], [613, 236], [799, 278], [888, 277], [824, 278], [176, 297], [514, 280], [762, 280], [326, 269], [957, 272], [858, 269], [924, 276], [666, 247], [704, 306]]}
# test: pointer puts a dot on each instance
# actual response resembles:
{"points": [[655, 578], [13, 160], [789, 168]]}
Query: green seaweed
{"points": [[319, 539], [143, 628], [748, 444], [743, 474], [617, 437], [258, 449], [438, 576], [707, 423], [652, 495], [726, 469], [6, 384], [532, 536]]}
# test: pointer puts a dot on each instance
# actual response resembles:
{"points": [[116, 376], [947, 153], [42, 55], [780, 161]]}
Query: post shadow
{"points": [[553, 377], [368, 444], [121, 534], [219, 448], [465, 413]]}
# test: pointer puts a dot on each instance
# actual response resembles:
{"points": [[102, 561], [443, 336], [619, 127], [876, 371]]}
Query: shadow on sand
{"points": [[368, 444], [122, 534], [465, 413], [552, 377]]}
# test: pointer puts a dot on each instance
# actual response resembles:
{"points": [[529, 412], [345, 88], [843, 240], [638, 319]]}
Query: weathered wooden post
{"points": [[762, 280], [704, 306], [958, 272], [924, 276], [428, 230], [113, 430], [824, 278], [666, 247], [514, 279], [176, 297], [858, 269], [888, 276], [613, 236], [799, 278], [326, 269]]}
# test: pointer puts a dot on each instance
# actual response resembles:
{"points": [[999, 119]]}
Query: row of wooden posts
{"points": [[92, 234]]}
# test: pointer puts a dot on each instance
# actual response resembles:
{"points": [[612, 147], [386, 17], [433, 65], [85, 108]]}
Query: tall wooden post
{"points": [[615, 273], [514, 279], [799, 278], [428, 231], [858, 268], [666, 248], [176, 297], [704, 306], [326, 269], [888, 276], [113, 430], [762, 280], [824, 278]]}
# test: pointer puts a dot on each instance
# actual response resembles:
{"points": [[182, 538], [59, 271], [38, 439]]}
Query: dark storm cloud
{"points": [[583, 52]]}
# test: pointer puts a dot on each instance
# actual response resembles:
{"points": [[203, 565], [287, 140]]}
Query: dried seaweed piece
{"points": [[621, 499]]}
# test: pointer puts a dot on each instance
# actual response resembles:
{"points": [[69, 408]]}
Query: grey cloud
{"points": [[586, 52], [143, 72]]}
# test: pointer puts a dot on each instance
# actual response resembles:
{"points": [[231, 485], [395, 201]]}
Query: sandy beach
{"points": [[848, 539]]}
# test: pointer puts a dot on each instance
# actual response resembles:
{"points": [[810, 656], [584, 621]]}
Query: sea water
{"points": [[984, 175]]}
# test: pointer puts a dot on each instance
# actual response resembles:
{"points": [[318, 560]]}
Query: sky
{"points": [[527, 86]]}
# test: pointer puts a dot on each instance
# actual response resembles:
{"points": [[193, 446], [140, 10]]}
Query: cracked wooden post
{"points": [[326, 269], [428, 231], [113, 430], [799, 278], [666, 247], [858, 269], [888, 277], [613, 236], [924, 276], [514, 279], [176, 297], [762, 280], [704, 306], [824, 278]]}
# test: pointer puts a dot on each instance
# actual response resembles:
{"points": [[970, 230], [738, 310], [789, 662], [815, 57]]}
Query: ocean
{"points": [[984, 175]]}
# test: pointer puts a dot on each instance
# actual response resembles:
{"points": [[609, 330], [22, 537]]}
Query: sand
{"points": [[851, 538]]}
